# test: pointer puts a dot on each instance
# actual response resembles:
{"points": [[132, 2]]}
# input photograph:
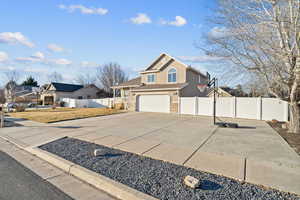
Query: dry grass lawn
{"points": [[61, 114]]}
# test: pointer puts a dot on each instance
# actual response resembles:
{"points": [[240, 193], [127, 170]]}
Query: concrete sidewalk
{"points": [[254, 153]]}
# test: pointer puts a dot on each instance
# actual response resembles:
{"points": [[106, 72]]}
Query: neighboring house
{"points": [[221, 92], [55, 91], [21, 94], [226, 92], [161, 84]]}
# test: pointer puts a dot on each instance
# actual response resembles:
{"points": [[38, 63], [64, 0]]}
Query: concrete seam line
{"points": [[245, 169], [52, 177], [98, 138], [151, 148], [69, 170], [201, 145]]}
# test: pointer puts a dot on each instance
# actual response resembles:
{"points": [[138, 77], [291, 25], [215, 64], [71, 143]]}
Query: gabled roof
{"points": [[149, 68], [64, 87], [131, 83], [227, 90]]}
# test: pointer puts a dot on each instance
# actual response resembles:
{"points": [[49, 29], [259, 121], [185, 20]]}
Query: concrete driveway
{"points": [[253, 153]]}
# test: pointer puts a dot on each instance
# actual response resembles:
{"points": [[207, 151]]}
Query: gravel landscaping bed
{"points": [[160, 179]]}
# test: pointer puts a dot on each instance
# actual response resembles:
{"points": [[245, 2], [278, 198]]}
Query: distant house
{"points": [[226, 92], [221, 92], [21, 94], [55, 91]]}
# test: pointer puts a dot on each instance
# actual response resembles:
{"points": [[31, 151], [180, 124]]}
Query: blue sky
{"points": [[74, 36]]}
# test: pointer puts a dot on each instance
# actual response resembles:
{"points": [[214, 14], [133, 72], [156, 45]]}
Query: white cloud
{"points": [[39, 57], [179, 21], [84, 10], [198, 59], [89, 64], [55, 48], [36, 57], [61, 61], [3, 56], [219, 32], [15, 38], [141, 18]]}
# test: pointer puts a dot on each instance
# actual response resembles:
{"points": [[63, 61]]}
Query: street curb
{"points": [[103, 183]]}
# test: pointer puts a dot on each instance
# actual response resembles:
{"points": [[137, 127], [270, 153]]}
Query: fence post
{"points": [[196, 106], [259, 108], [286, 111], [179, 104], [234, 107]]}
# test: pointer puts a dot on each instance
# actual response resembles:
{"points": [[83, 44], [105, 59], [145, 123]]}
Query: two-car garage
{"points": [[153, 103]]}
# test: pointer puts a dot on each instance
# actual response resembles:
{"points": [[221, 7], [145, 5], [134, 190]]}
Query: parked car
{"points": [[31, 105], [11, 105]]}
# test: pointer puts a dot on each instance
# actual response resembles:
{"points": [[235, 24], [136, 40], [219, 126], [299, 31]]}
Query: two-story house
{"points": [[160, 86]]}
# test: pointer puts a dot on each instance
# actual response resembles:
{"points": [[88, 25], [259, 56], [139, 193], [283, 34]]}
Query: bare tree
{"points": [[2, 96], [12, 76], [262, 38], [85, 79], [55, 77], [10, 88], [110, 74], [10, 91]]}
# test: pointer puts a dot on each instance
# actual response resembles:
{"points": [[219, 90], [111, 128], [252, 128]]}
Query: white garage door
{"points": [[154, 103]]}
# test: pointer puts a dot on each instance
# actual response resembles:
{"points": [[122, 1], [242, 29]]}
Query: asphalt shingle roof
{"points": [[63, 87], [135, 81], [161, 86]]}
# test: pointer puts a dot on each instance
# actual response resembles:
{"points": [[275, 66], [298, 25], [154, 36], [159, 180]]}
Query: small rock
{"points": [[98, 152], [191, 182]]}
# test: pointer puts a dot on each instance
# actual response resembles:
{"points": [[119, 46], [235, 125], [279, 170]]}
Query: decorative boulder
{"points": [[98, 152], [191, 182]]}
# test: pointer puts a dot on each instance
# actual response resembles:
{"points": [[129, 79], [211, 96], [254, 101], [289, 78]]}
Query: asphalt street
{"points": [[18, 182]]}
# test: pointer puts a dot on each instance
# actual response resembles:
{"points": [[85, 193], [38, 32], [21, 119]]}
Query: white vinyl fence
{"points": [[88, 103], [236, 107]]}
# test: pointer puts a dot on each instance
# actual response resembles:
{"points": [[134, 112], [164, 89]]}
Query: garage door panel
{"points": [[154, 103]]}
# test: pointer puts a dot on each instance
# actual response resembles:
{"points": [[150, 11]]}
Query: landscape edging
{"points": [[101, 182]]}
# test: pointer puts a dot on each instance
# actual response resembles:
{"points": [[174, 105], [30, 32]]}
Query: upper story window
{"points": [[151, 78], [172, 75]]}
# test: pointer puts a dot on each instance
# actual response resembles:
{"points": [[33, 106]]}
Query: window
{"points": [[80, 97], [151, 78], [172, 75]]}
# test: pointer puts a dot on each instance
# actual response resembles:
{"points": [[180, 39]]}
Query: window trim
{"points": [[173, 68], [154, 78]]}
